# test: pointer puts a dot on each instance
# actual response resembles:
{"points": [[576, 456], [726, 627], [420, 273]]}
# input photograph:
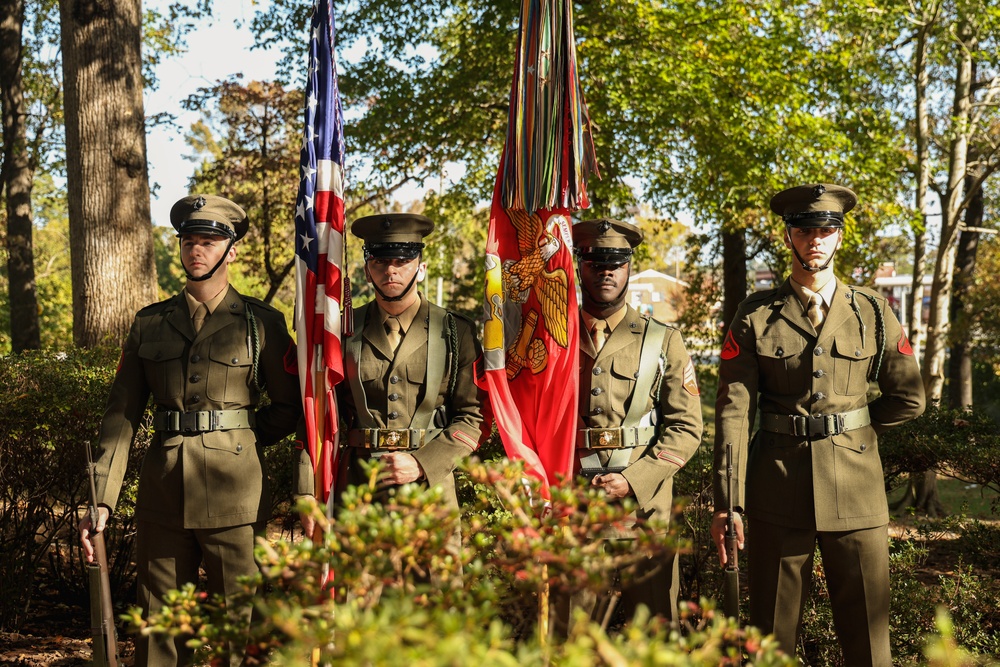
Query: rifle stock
{"points": [[731, 597], [102, 615]]}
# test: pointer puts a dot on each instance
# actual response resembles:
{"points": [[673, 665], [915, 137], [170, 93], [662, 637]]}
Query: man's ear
{"points": [[421, 272], [368, 275]]}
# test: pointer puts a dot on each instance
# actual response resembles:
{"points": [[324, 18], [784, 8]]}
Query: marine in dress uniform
{"points": [[640, 410], [205, 356], [409, 396], [807, 355]]}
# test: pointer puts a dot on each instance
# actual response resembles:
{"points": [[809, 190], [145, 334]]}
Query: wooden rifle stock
{"points": [[102, 615], [731, 596]]}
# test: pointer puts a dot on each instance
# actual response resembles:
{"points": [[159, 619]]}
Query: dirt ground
{"points": [[57, 634]]}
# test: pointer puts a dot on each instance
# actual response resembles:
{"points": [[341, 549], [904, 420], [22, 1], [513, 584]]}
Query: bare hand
{"points": [[719, 533], [399, 468], [614, 484], [308, 525], [86, 531]]}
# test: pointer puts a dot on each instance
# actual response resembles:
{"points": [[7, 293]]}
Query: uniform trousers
{"points": [[167, 558], [653, 583], [856, 564]]}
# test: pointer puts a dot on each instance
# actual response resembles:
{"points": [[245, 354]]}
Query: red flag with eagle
{"points": [[530, 339], [321, 291]]}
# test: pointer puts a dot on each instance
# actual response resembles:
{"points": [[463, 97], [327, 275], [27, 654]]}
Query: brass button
{"points": [[233, 306], [394, 396], [818, 351], [818, 374], [393, 415], [598, 411], [195, 398], [863, 447], [394, 379], [158, 355], [234, 360], [819, 396], [239, 448], [780, 351], [195, 359], [857, 353], [597, 370], [195, 378], [596, 391]]}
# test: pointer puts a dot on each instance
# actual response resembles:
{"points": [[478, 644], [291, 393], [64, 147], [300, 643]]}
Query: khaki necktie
{"points": [[392, 332], [599, 334], [198, 319], [815, 310]]}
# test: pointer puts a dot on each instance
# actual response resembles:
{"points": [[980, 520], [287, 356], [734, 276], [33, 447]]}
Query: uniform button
{"points": [[393, 415], [394, 379], [158, 355], [195, 359], [818, 351], [195, 378], [780, 351], [863, 447], [195, 398], [636, 375], [857, 353], [234, 360], [598, 411], [818, 374], [597, 370], [394, 396], [233, 306], [596, 391], [632, 325], [239, 448], [819, 396]]}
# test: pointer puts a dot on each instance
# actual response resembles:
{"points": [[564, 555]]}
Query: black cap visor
{"points": [[612, 256], [210, 227], [405, 251], [813, 219]]}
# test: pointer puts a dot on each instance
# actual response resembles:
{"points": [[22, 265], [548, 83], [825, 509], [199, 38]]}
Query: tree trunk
{"points": [[111, 242], [960, 362], [951, 211], [915, 320], [17, 177], [734, 273]]}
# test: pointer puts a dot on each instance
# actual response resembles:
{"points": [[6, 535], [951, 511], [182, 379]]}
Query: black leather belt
{"points": [[815, 426], [386, 438], [173, 421]]}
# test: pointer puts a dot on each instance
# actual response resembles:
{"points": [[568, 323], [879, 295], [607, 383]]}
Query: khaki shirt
{"points": [[774, 360]]}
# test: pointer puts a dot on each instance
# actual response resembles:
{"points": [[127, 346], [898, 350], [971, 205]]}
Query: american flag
{"points": [[319, 252]]}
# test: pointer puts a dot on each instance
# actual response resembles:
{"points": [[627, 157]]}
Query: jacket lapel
{"points": [[586, 342], [179, 318], [840, 311], [416, 335], [374, 332], [623, 333], [792, 309]]}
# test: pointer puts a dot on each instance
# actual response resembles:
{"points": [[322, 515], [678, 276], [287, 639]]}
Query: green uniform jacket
{"points": [[606, 384], [394, 386], [773, 360], [202, 480]]}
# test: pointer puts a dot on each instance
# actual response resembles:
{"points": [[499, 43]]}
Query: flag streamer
{"points": [[530, 340], [320, 251]]}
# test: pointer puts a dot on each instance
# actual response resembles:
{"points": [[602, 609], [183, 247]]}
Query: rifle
{"points": [[731, 592], [102, 617]]}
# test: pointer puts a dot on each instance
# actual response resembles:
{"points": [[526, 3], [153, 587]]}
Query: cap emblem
{"points": [[199, 203], [604, 226], [386, 223], [818, 191]]}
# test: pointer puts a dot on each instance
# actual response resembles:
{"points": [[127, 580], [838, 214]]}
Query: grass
{"points": [[961, 498]]}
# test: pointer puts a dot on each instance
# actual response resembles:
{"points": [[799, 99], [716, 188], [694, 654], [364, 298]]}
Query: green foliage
{"points": [[400, 594], [957, 443], [50, 403]]}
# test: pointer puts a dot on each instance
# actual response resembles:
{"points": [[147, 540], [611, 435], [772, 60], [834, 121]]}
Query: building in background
{"points": [[658, 295]]}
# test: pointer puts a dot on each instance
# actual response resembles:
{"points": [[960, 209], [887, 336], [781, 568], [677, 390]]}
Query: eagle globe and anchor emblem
{"points": [[510, 283]]}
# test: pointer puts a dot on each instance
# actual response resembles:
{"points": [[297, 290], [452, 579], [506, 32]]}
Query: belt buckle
{"points": [[799, 425], [393, 439], [609, 438]]}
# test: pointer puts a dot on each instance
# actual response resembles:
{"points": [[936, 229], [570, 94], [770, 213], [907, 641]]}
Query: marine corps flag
{"points": [[531, 348], [321, 291]]}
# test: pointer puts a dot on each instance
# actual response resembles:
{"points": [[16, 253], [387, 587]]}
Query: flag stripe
{"points": [[319, 242]]}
